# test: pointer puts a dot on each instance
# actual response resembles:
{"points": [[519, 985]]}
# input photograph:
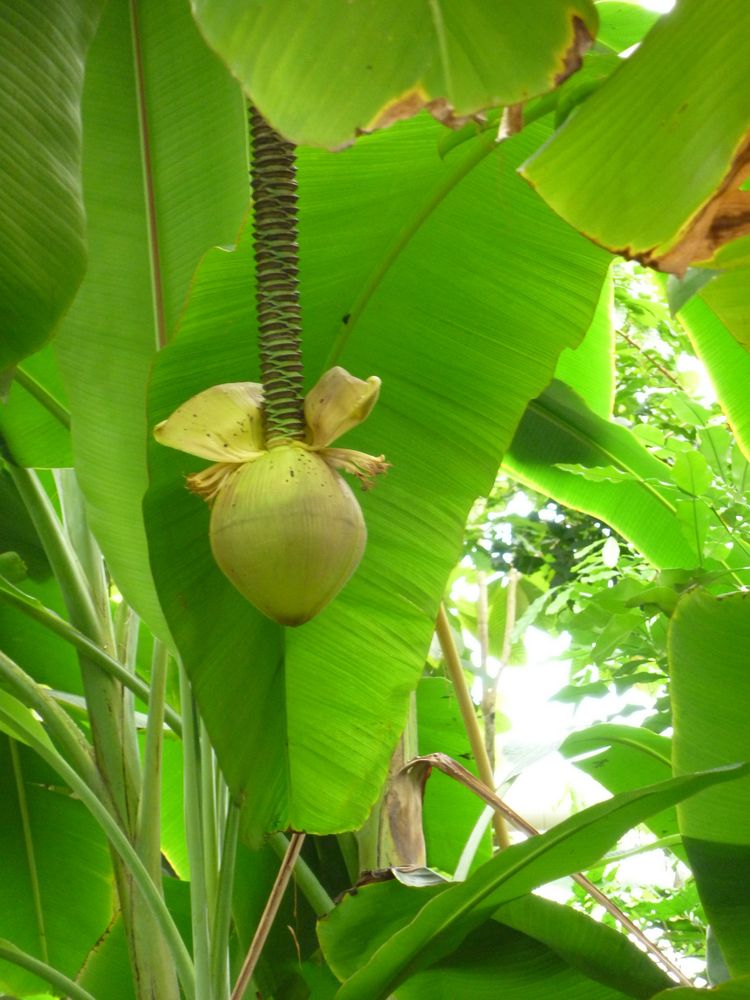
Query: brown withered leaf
{"points": [[725, 217]]}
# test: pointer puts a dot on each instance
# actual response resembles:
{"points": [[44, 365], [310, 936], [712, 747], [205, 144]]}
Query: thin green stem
{"points": [[483, 146], [149, 811], [152, 954], [59, 982], [157, 283], [209, 821], [63, 560], [28, 840], [469, 716], [69, 739], [304, 878], [43, 396], [222, 917], [125, 850], [52, 621], [89, 556], [194, 835], [112, 735]]}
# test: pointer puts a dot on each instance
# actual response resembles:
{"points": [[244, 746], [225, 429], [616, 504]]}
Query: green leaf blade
{"points": [[327, 71], [161, 189], [631, 170], [42, 231], [708, 639]]}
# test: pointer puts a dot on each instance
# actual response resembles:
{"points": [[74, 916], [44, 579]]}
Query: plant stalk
{"points": [[469, 716], [304, 878], [222, 917], [149, 894], [52, 621], [199, 902], [28, 840], [57, 980], [268, 916]]}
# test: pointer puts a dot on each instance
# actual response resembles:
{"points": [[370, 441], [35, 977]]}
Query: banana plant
{"points": [[200, 702]]}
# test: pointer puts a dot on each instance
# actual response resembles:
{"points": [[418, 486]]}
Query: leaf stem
{"points": [[222, 917], [148, 841], [199, 902], [268, 916], [304, 877], [57, 980], [70, 741], [127, 853], [52, 621], [469, 716], [34, 388], [28, 840], [455, 770]]}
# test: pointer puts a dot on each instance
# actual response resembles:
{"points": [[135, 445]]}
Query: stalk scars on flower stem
{"points": [[285, 528]]}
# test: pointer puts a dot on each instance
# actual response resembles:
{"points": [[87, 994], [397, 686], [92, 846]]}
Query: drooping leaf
{"points": [[42, 233], [327, 71], [559, 428], [443, 337], [630, 169], [577, 843], [708, 639], [161, 188]]}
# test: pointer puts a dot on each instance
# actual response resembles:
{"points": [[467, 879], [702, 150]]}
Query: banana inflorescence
{"points": [[286, 529]]}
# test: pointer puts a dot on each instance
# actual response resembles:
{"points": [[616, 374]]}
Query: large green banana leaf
{"points": [[42, 228], [708, 642], [651, 164], [324, 71], [462, 309], [164, 180]]}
